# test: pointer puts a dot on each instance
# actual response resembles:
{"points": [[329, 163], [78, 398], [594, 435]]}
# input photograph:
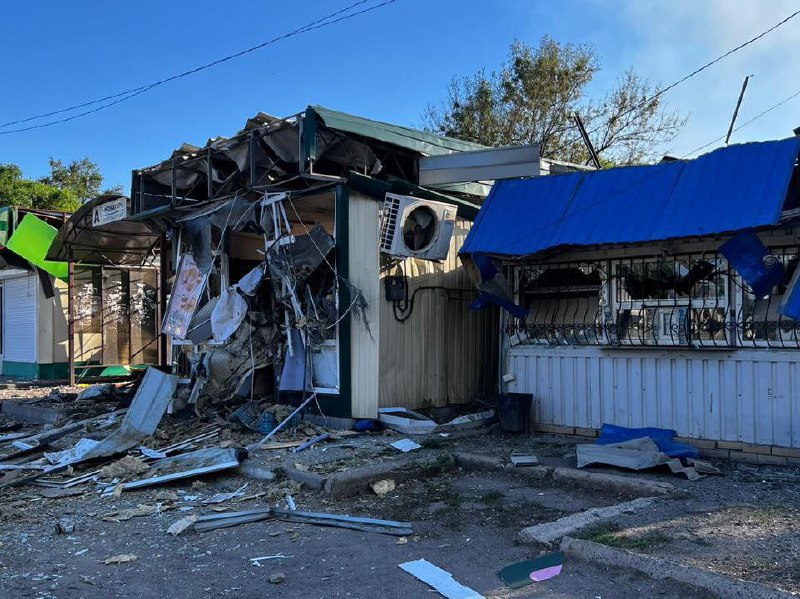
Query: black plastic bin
{"points": [[514, 412]]}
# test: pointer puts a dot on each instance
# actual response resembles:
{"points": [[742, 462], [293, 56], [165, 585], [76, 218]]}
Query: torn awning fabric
{"points": [[730, 189]]}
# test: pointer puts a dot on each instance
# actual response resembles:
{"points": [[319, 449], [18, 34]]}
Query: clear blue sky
{"points": [[388, 65]]}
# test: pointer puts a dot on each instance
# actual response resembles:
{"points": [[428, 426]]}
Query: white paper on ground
{"points": [[439, 579], [406, 445]]}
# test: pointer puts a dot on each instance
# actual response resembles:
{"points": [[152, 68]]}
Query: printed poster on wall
{"points": [[189, 284]]}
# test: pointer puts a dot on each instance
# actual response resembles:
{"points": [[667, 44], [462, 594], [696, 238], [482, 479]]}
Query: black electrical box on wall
{"points": [[395, 288]]}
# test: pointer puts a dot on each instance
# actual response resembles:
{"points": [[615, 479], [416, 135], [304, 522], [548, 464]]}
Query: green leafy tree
{"points": [[80, 176], [66, 188], [533, 99], [15, 190]]}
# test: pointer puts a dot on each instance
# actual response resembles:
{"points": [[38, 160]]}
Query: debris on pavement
{"points": [[277, 578], [406, 445], [256, 561], [190, 465], [439, 579], [65, 526], [406, 421], [524, 460], [536, 570], [310, 442], [122, 558], [611, 434], [221, 497], [181, 525], [636, 454], [123, 468], [383, 487], [139, 511], [225, 520]]}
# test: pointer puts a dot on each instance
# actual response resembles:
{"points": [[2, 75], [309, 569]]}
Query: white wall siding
{"points": [[19, 318], [364, 267], [751, 396]]}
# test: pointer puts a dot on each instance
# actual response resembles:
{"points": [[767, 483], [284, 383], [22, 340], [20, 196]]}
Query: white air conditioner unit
{"points": [[413, 227]]}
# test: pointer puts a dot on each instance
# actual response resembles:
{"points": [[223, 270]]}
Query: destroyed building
{"points": [[108, 287], [302, 256], [653, 296]]}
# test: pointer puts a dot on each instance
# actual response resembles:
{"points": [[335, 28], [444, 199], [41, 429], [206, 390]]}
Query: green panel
{"points": [[5, 224], [54, 372], [31, 240], [27, 370], [404, 137]]}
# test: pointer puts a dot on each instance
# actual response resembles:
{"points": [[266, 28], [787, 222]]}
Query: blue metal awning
{"points": [[729, 189]]}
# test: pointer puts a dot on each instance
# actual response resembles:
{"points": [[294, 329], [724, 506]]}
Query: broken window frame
{"points": [[718, 311]]}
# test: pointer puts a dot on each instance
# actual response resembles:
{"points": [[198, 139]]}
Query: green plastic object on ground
{"points": [[535, 570], [31, 240]]}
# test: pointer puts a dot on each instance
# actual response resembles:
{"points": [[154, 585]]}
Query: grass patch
{"points": [[613, 536], [492, 498]]}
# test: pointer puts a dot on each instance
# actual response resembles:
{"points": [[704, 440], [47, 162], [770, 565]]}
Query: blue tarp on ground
{"points": [[729, 189], [662, 437]]}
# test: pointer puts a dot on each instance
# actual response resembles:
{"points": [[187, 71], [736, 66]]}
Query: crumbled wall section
{"points": [[734, 451]]}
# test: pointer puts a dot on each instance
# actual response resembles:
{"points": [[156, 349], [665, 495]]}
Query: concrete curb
{"points": [[310, 480], [353, 482], [551, 532], [724, 586], [626, 483], [591, 480]]}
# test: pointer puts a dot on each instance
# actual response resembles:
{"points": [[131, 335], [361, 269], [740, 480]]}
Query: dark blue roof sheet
{"points": [[729, 189]]}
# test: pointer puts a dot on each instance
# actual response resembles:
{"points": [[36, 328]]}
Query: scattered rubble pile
{"points": [[120, 448]]}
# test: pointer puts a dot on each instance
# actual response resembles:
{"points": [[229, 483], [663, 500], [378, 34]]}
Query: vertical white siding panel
{"points": [[19, 318], [582, 385], [727, 404], [364, 268], [621, 397], [636, 382], [762, 399], [781, 409]]}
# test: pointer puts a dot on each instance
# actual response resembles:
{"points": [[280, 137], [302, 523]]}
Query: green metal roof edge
{"points": [[404, 137], [378, 189]]}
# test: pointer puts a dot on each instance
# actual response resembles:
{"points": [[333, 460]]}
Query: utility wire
{"points": [[699, 70], [685, 78], [117, 98], [743, 125]]}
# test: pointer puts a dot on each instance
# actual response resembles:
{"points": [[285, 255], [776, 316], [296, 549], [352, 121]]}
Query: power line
{"points": [[117, 98], [699, 70], [743, 125]]}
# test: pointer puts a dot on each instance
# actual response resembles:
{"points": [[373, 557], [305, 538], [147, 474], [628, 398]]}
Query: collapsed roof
{"points": [[290, 154]]}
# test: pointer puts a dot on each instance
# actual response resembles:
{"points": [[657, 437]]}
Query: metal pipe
{"points": [[71, 320], [162, 302]]}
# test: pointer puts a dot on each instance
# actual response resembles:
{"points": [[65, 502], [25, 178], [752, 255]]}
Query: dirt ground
{"points": [[743, 523], [464, 523]]}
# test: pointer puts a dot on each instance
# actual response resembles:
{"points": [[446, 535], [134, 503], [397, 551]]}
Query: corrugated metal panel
{"points": [[404, 137], [726, 190], [443, 353], [19, 318], [364, 263], [751, 396]]}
